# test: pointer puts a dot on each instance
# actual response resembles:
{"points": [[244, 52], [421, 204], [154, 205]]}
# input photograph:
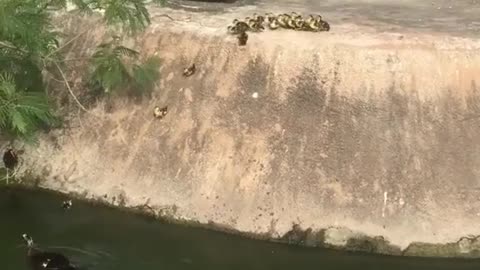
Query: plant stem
{"points": [[69, 88]]}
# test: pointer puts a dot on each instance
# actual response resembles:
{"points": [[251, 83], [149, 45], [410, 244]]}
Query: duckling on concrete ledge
{"points": [[273, 24], [189, 71], [159, 113], [237, 27]]}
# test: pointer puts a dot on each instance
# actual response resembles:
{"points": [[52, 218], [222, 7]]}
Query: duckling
{"points": [[253, 25], [232, 29], [10, 159], [311, 24], [282, 20], [273, 25], [242, 39], [189, 71], [240, 26], [299, 23], [324, 26], [270, 17], [260, 19], [38, 259], [291, 23], [67, 204], [160, 112]]}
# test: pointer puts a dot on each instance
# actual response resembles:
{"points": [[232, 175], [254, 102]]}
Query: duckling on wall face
{"points": [[159, 113], [189, 71], [242, 39]]}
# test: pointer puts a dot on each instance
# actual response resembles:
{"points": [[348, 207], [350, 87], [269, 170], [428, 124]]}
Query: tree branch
{"points": [[69, 88]]}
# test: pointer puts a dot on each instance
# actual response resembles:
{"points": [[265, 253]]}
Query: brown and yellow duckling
{"points": [[299, 23], [310, 24], [238, 27], [189, 71], [273, 24], [282, 20], [159, 113], [254, 25]]}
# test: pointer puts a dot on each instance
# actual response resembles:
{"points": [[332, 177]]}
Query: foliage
{"points": [[29, 46], [111, 72], [21, 112]]}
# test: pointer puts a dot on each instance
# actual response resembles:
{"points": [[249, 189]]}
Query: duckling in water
{"points": [[38, 259], [10, 159], [242, 39], [160, 112], [67, 204], [189, 71]]}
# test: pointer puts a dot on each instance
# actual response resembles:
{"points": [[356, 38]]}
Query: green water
{"points": [[103, 238]]}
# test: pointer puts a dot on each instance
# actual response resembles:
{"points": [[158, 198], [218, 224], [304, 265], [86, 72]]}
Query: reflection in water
{"points": [[102, 238]]}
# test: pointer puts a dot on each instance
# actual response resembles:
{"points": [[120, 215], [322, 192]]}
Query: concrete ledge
{"points": [[358, 139]]}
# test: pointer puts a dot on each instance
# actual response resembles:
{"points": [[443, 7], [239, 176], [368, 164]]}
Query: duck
{"points": [[10, 159], [41, 260], [67, 204], [160, 112], [242, 39], [189, 71]]}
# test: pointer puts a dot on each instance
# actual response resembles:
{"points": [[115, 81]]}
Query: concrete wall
{"points": [[353, 133]]}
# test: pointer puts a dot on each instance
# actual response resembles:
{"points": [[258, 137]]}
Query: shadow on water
{"points": [[102, 238]]}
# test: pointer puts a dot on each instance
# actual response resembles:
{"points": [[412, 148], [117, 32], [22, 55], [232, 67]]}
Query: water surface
{"points": [[103, 238]]}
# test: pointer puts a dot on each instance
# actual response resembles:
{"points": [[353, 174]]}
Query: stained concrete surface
{"points": [[367, 137]]}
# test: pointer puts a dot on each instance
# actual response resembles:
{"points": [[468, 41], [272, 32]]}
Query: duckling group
{"points": [[257, 23]]}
